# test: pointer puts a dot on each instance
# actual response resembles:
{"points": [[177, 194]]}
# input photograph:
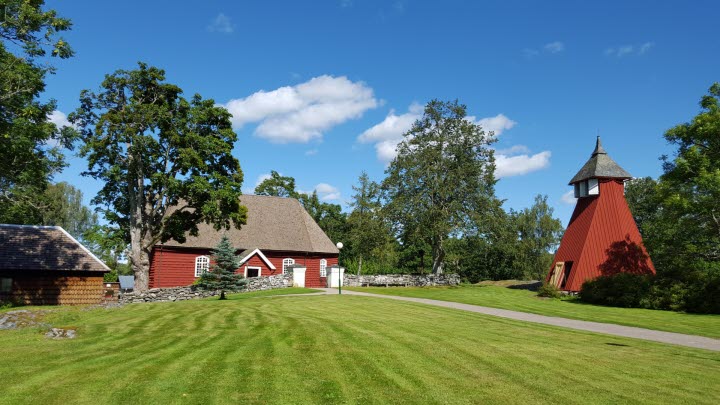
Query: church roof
{"points": [[273, 223], [600, 165]]}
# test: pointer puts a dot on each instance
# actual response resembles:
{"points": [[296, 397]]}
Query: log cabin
{"points": [[45, 265]]}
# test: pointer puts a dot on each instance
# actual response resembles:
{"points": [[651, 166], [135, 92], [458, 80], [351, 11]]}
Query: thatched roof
{"points": [[600, 165], [274, 223], [26, 247]]}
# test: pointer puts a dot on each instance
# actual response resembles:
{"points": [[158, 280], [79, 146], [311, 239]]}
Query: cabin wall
{"points": [[175, 267], [600, 228], [54, 287]]}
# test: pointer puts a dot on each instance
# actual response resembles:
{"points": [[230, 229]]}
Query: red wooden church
{"points": [[602, 237], [279, 233]]}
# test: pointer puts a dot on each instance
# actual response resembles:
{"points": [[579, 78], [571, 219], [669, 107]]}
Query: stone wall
{"points": [[189, 293], [406, 280]]}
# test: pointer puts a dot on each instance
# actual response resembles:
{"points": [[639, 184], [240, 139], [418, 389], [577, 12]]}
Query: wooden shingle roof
{"points": [[600, 165], [26, 247], [273, 223]]}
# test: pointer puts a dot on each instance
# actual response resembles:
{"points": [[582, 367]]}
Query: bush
{"points": [[618, 290], [549, 291]]}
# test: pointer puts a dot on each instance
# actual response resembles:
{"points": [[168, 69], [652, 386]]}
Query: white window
{"points": [[202, 264], [287, 262], [593, 187], [252, 272], [323, 268]]}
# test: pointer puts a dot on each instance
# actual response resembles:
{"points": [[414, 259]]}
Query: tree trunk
{"points": [[438, 257], [359, 269], [222, 295]]}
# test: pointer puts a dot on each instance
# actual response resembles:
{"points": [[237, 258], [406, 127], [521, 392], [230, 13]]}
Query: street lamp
{"points": [[339, 246]]}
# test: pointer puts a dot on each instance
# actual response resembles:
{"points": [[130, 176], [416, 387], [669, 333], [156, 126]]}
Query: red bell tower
{"points": [[602, 237]]}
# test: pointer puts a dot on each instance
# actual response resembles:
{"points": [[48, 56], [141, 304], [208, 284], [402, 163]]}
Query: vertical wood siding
{"points": [[597, 223], [175, 267]]}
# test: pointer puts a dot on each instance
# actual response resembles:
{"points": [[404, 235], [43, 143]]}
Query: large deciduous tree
{"points": [[166, 162], [29, 144], [442, 179], [277, 185]]}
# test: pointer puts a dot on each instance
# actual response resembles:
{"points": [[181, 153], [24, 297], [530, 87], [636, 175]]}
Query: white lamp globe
{"points": [[339, 245]]}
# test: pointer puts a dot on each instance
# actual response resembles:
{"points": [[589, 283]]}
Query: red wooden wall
{"points": [[602, 238], [174, 267]]}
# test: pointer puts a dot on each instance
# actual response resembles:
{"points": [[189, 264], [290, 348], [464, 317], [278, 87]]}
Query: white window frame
{"points": [[258, 268], [323, 268], [287, 262], [202, 264]]}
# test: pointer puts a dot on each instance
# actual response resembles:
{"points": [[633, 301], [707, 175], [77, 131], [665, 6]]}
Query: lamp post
{"points": [[340, 276]]}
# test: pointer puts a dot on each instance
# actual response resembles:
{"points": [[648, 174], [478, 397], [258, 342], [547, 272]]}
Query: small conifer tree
{"points": [[222, 274]]}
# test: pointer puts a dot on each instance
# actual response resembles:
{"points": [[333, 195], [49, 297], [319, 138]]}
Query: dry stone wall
{"points": [[189, 293], [406, 280]]}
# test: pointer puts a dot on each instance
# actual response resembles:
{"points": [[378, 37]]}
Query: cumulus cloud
{"points": [[305, 111], [496, 124], [625, 50], [554, 47], [326, 192], [60, 119], [387, 134], [568, 198], [508, 165], [221, 23]]}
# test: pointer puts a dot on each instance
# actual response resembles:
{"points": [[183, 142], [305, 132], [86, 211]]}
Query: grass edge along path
{"points": [[527, 301], [338, 349]]}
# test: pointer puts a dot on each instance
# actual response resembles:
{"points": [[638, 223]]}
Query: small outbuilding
{"points": [[45, 265]]}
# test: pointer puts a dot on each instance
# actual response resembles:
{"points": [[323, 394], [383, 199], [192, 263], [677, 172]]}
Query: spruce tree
{"points": [[222, 274]]}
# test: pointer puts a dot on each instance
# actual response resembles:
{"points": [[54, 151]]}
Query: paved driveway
{"points": [[680, 339]]}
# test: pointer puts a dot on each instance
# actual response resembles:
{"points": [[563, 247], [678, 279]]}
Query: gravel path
{"points": [[679, 339]]}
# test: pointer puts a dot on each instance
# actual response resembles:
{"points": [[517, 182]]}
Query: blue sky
{"points": [[323, 90]]}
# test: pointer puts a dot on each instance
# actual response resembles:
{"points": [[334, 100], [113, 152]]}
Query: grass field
{"points": [[337, 349], [527, 301]]}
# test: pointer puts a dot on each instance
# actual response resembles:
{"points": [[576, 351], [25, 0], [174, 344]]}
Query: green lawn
{"points": [[337, 349], [527, 301], [268, 293]]}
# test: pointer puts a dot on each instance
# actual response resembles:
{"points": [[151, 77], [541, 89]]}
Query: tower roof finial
{"points": [[598, 147]]}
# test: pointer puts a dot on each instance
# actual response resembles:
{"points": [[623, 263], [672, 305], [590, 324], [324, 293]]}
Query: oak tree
{"points": [[166, 162]]}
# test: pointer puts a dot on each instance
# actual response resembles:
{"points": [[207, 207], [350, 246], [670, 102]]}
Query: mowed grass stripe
{"points": [[527, 301], [330, 349]]}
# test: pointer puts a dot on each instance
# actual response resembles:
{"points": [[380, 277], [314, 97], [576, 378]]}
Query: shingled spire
{"points": [[600, 166]]}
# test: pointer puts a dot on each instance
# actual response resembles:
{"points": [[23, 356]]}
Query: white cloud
{"points": [[305, 111], [59, 118], [568, 198], [517, 165], [624, 50], [554, 47], [327, 192], [311, 152], [221, 24], [496, 124]]}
